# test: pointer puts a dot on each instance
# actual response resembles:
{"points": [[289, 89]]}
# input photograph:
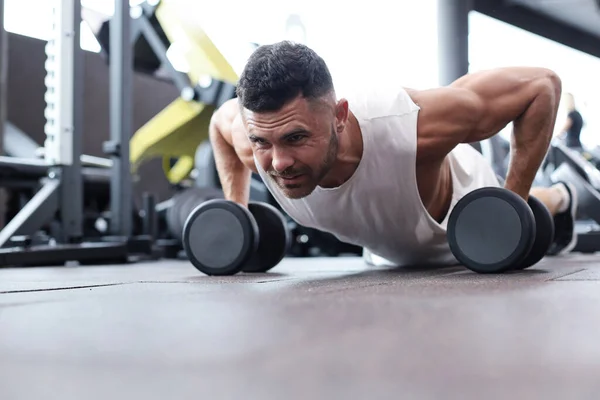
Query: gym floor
{"points": [[310, 329]]}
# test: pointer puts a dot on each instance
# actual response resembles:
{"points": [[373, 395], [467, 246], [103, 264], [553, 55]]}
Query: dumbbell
{"points": [[493, 230], [182, 204], [221, 237]]}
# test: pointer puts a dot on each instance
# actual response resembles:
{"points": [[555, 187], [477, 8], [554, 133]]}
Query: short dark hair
{"points": [[278, 73]]}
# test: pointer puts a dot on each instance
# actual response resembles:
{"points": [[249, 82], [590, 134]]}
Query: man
{"points": [[383, 170], [571, 130]]}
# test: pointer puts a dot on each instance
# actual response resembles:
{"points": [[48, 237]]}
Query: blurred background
{"points": [[373, 42]]}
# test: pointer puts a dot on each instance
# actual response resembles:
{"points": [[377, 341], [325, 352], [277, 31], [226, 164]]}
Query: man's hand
{"points": [[479, 105]]}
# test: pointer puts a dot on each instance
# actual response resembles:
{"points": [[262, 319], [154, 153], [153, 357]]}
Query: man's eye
{"points": [[295, 138]]}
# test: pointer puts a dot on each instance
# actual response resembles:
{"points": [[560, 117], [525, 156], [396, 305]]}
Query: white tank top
{"points": [[379, 207]]}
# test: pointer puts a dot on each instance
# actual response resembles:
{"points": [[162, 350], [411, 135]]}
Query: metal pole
{"points": [[71, 204], [3, 74], [453, 39], [121, 75], [3, 97], [64, 115]]}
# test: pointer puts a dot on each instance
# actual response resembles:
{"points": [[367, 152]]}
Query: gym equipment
{"points": [[493, 230], [24, 177], [571, 166], [51, 226], [544, 233], [183, 203], [3, 75], [221, 237], [274, 238], [17, 143], [175, 132], [568, 165]]}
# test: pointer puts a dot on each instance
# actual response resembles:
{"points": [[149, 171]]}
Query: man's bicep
{"points": [[447, 117]]}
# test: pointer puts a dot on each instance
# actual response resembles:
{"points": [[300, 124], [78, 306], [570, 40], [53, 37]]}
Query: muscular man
{"points": [[383, 169]]}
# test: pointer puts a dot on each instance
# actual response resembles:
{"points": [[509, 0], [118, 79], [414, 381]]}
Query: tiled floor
{"points": [[311, 329]]}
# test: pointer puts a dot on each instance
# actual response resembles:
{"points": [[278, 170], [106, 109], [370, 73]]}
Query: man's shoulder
{"points": [[370, 102]]}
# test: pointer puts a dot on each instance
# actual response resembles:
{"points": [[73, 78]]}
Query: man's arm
{"points": [[479, 105], [233, 174]]}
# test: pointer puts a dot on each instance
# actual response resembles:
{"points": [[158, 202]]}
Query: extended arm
{"points": [[233, 174], [479, 105]]}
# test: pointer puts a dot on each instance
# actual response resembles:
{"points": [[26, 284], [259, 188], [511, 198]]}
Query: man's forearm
{"points": [[233, 174], [531, 137]]}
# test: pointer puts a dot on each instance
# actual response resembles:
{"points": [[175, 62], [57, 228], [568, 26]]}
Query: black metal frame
{"points": [[147, 36], [121, 77], [62, 190], [3, 96], [217, 93], [59, 201]]}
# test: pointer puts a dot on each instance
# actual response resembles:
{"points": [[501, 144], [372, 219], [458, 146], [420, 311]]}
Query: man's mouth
{"points": [[288, 179]]}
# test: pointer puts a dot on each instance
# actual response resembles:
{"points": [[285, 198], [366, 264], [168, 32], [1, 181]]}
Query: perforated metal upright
{"points": [[62, 190], [64, 115], [453, 39]]}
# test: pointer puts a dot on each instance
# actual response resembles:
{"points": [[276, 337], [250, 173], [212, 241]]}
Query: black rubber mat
{"points": [[310, 329]]}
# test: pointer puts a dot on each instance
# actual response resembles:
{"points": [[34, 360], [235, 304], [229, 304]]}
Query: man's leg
{"points": [[555, 197], [561, 201]]}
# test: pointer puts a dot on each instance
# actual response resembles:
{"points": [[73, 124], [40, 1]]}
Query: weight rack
{"points": [[59, 201]]}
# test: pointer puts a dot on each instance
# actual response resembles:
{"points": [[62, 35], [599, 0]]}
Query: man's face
{"points": [[296, 145]]}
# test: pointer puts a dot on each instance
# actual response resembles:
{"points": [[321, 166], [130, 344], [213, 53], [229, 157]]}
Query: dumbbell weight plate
{"points": [[274, 238], [490, 230], [219, 237], [544, 233], [183, 202], [186, 205]]}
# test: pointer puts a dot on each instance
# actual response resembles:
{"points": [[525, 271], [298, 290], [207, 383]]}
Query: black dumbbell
{"points": [[182, 204], [221, 237], [493, 230]]}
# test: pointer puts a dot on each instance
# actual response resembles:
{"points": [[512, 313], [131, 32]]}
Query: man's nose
{"points": [[281, 161]]}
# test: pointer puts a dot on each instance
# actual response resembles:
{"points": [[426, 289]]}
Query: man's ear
{"points": [[341, 114]]}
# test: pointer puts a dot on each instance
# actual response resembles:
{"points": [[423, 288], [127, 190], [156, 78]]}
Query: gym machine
{"points": [[48, 230], [565, 164], [175, 133]]}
